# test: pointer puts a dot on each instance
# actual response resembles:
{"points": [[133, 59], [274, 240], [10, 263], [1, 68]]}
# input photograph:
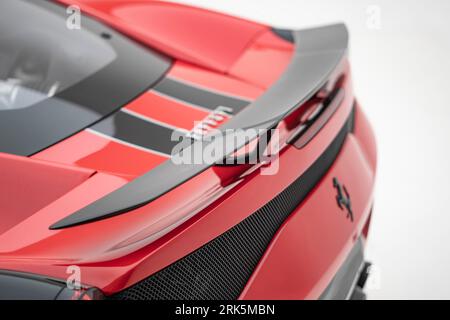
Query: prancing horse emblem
{"points": [[343, 198]]}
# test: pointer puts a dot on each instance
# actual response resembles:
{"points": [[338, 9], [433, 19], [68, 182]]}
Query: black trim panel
{"points": [[318, 54], [198, 97]]}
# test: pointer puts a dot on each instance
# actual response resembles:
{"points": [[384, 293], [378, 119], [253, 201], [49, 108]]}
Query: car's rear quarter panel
{"points": [[316, 239]]}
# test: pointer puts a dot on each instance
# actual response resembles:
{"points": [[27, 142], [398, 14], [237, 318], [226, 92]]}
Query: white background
{"points": [[401, 77]]}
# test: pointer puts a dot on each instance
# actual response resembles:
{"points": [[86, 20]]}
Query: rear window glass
{"points": [[41, 58], [55, 80]]}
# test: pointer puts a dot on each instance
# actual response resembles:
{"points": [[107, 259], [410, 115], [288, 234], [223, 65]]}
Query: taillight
{"points": [[21, 286]]}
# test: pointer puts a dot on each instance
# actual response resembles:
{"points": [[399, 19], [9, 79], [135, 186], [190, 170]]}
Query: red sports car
{"points": [[96, 98]]}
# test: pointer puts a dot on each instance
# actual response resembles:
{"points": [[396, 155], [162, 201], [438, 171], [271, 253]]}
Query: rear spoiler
{"points": [[318, 52]]}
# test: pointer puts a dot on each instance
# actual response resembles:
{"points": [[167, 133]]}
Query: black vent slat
{"points": [[220, 269]]}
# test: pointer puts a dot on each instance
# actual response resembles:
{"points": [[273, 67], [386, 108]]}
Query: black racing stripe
{"points": [[199, 97], [131, 129]]}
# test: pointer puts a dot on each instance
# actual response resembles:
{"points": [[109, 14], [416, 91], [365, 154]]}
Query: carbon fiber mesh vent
{"points": [[220, 269]]}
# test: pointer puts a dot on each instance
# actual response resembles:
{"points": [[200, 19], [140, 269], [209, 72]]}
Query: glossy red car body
{"points": [[222, 54]]}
